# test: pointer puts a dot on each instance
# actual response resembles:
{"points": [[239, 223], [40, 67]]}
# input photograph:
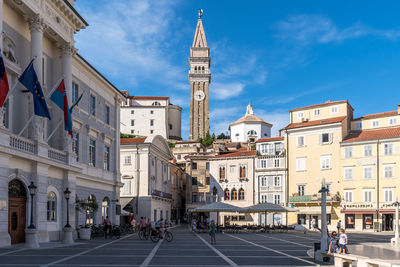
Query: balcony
{"points": [[305, 198]]}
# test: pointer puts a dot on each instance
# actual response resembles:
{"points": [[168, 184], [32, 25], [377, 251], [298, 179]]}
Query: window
{"points": [[132, 131], [300, 164], [127, 160], [375, 123], [367, 172], [194, 180], [264, 181], [334, 109], [6, 111], [156, 103], [232, 168], [367, 150], [388, 171], [234, 194], [348, 152], [107, 115], [277, 163], [358, 125], [325, 162], [300, 114], [107, 158], [226, 194], [170, 126], [127, 187], [75, 92], [151, 112], [325, 138], [151, 122], [221, 173], [393, 121], [264, 148], [92, 152], [388, 149], [317, 112], [301, 141], [132, 122], [348, 196], [301, 190], [277, 199], [348, 173], [301, 218], [92, 107], [263, 163], [241, 194], [194, 197], [242, 172], [367, 195], [388, 194], [51, 207], [194, 166], [132, 112], [75, 144], [151, 131], [207, 165], [251, 132], [207, 180], [264, 198], [277, 181]]}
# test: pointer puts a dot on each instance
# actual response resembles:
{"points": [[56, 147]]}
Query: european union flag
{"points": [[30, 80]]}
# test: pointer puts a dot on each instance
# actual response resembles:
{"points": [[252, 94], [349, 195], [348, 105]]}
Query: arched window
{"points": [[227, 194], [234, 194], [241, 194], [214, 191], [251, 132], [90, 214], [156, 103], [105, 208], [51, 207], [195, 69]]}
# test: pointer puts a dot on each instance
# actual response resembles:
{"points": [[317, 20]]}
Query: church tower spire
{"points": [[199, 79]]}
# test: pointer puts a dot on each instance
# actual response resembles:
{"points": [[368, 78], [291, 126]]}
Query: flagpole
{"points": [[26, 125], [54, 131]]}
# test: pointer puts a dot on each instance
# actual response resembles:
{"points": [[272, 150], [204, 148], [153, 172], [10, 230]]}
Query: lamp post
{"points": [[324, 236], [396, 239], [67, 194], [32, 191]]}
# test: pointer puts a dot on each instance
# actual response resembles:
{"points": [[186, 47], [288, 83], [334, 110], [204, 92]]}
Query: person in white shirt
{"points": [[342, 242]]}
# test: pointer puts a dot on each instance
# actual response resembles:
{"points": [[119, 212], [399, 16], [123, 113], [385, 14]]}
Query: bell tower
{"points": [[199, 79]]}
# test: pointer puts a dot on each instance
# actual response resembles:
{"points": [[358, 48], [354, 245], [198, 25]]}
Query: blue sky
{"points": [[276, 55]]}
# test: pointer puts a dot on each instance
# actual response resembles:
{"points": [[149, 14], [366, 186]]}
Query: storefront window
{"points": [[301, 219], [368, 221], [350, 221]]}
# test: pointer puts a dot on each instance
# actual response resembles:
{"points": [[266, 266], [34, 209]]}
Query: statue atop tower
{"points": [[199, 79]]}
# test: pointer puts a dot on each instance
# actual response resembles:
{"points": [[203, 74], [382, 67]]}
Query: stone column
{"points": [[5, 239], [36, 26], [39, 177], [1, 47], [68, 233]]}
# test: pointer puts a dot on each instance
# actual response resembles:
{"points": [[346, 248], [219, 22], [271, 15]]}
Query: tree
{"points": [[122, 135], [223, 136], [208, 139]]}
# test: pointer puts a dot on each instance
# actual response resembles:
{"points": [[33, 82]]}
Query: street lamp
{"points": [[396, 239], [32, 191], [67, 194], [324, 236]]}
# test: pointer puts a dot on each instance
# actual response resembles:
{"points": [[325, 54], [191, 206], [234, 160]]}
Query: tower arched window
{"points": [[241, 194], [156, 103], [51, 207], [251, 132], [227, 194], [195, 69], [234, 194]]}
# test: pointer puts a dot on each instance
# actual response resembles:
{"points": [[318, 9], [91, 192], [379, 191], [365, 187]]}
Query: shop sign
{"points": [[355, 206]]}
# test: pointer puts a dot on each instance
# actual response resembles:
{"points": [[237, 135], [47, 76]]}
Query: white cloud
{"points": [[223, 91]]}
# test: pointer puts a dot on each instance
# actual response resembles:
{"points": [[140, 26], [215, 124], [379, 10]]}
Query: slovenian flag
{"points": [[4, 88], [59, 97]]}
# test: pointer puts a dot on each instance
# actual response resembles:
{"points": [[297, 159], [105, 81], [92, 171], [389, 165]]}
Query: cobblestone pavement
{"points": [[187, 249]]}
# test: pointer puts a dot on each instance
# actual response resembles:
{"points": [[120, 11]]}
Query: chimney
{"points": [[398, 109]]}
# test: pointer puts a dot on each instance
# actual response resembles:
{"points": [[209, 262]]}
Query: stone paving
{"points": [[187, 249]]}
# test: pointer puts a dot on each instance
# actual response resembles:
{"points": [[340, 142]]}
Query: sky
{"points": [[276, 55]]}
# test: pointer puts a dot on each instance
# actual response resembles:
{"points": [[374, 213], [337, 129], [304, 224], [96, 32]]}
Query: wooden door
{"points": [[17, 219]]}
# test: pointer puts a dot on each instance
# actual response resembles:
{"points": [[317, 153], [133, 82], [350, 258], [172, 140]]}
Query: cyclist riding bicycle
{"points": [[159, 224]]}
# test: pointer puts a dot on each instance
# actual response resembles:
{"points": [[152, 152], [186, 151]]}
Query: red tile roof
{"points": [[238, 153], [277, 138], [314, 123], [365, 135], [135, 140], [378, 115], [328, 103], [150, 97]]}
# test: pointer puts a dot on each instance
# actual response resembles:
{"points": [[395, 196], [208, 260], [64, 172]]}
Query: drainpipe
{"points": [[287, 174], [138, 179], [377, 182]]}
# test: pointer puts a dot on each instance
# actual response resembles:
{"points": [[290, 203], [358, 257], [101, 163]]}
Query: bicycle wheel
{"points": [[168, 236], [155, 237]]}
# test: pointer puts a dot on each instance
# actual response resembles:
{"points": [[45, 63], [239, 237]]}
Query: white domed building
{"points": [[249, 128]]}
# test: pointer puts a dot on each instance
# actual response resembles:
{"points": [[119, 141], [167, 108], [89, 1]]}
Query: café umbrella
{"points": [[268, 207], [219, 207]]}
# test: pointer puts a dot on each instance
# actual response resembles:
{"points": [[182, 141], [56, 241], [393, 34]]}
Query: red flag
{"points": [[4, 88]]}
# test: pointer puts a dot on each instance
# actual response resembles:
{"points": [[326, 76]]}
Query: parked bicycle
{"points": [[143, 234], [155, 235]]}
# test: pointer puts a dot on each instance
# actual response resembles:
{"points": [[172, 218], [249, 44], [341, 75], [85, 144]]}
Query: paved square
{"points": [[187, 249]]}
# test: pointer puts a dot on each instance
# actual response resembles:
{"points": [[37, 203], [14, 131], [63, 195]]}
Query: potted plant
{"points": [[89, 207]]}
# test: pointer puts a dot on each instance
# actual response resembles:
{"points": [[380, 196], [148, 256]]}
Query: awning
{"points": [[314, 210], [125, 201], [267, 207], [219, 207]]}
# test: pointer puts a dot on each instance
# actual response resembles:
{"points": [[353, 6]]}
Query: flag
{"points": [[4, 88], [59, 97], [76, 103], [30, 80]]}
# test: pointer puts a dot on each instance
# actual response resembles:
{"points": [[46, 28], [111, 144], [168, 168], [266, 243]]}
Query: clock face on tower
{"points": [[199, 95]]}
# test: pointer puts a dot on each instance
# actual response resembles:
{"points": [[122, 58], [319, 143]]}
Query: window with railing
{"points": [[222, 175], [242, 172]]}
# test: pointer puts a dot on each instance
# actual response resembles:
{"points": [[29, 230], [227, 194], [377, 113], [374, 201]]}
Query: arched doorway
{"points": [[105, 208], [16, 211]]}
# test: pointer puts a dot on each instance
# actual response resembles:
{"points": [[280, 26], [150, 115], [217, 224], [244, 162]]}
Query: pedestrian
{"points": [[339, 225], [212, 233], [106, 226], [332, 243], [194, 224], [142, 224], [148, 227], [342, 241]]}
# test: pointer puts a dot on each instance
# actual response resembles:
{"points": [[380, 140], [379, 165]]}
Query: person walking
{"points": [[106, 226], [339, 225], [212, 233], [148, 227]]}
